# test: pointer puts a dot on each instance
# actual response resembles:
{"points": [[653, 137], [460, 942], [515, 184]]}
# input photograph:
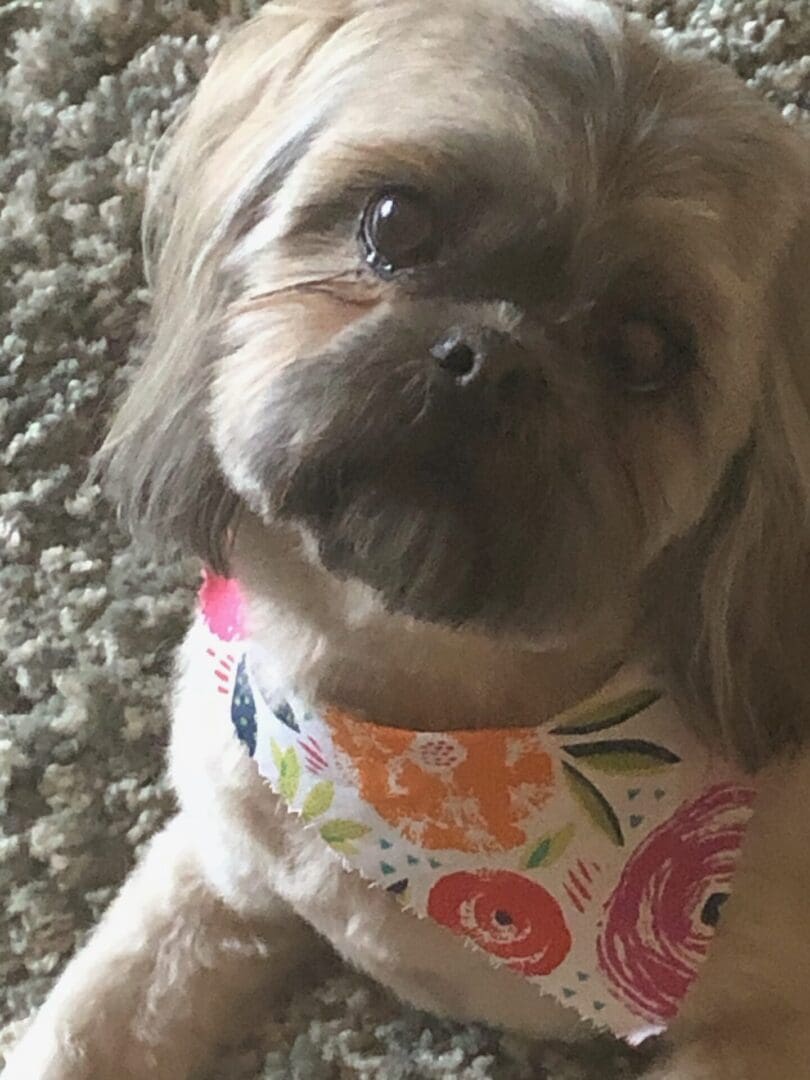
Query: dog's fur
{"points": [[436, 554]]}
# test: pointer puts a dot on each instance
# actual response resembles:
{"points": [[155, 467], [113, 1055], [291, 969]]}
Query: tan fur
{"points": [[227, 246], [699, 563]]}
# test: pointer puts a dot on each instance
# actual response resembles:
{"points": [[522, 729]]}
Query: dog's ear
{"points": [[212, 173], [731, 603]]}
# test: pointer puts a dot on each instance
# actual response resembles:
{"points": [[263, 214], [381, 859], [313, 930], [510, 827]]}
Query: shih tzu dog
{"points": [[479, 383]]}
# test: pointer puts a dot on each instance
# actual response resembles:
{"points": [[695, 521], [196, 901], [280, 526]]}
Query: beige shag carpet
{"points": [[87, 624]]}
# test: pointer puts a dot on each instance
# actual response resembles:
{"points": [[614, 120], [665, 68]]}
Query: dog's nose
{"points": [[468, 355]]}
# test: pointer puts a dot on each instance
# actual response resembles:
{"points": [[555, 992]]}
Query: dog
{"points": [[479, 378]]}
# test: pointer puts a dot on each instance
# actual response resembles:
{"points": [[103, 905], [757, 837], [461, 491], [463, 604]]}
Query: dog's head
{"points": [[501, 304]]}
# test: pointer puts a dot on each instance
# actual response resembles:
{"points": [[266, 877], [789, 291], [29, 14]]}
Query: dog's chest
{"points": [[592, 857]]}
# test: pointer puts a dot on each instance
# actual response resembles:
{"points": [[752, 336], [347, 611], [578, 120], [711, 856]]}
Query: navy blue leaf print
{"points": [[243, 709], [284, 713]]}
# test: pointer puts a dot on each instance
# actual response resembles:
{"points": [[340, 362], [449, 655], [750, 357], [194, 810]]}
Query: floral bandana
{"points": [[592, 855]]}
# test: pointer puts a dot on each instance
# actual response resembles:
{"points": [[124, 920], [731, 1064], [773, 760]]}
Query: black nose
{"points": [[465, 355], [455, 356]]}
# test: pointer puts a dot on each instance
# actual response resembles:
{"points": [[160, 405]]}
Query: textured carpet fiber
{"points": [[87, 625]]}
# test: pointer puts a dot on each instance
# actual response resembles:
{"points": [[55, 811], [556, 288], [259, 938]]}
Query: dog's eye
{"points": [[398, 231], [648, 356]]}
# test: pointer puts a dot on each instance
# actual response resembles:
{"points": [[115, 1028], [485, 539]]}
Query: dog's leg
{"points": [[748, 1015], [169, 974]]}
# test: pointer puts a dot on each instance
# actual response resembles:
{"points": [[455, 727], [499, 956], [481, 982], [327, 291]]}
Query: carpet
{"points": [[87, 623]]}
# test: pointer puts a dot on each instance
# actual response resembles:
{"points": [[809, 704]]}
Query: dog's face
{"points": [[489, 297], [494, 339]]}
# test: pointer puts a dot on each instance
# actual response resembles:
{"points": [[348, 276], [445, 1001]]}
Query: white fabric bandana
{"points": [[592, 855]]}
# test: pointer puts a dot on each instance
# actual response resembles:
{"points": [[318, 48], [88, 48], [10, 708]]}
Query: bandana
{"points": [[592, 855]]}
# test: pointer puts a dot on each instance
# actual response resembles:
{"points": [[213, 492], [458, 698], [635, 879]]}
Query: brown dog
{"points": [[481, 361]]}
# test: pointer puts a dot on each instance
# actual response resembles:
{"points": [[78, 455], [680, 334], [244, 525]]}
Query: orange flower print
{"points": [[465, 791]]}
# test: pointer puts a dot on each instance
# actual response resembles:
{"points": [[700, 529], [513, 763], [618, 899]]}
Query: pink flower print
{"points": [[662, 915], [222, 607]]}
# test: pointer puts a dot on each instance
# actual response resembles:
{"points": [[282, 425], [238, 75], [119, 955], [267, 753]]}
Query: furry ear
{"points": [[731, 604], [217, 167]]}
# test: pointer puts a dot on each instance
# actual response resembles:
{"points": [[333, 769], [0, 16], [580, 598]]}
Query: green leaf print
{"points": [[594, 803], [621, 757], [606, 714], [548, 850], [344, 847], [319, 800], [338, 831], [289, 770]]}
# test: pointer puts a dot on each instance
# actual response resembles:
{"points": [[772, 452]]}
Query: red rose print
{"points": [[660, 919], [222, 607], [506, 914]]}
